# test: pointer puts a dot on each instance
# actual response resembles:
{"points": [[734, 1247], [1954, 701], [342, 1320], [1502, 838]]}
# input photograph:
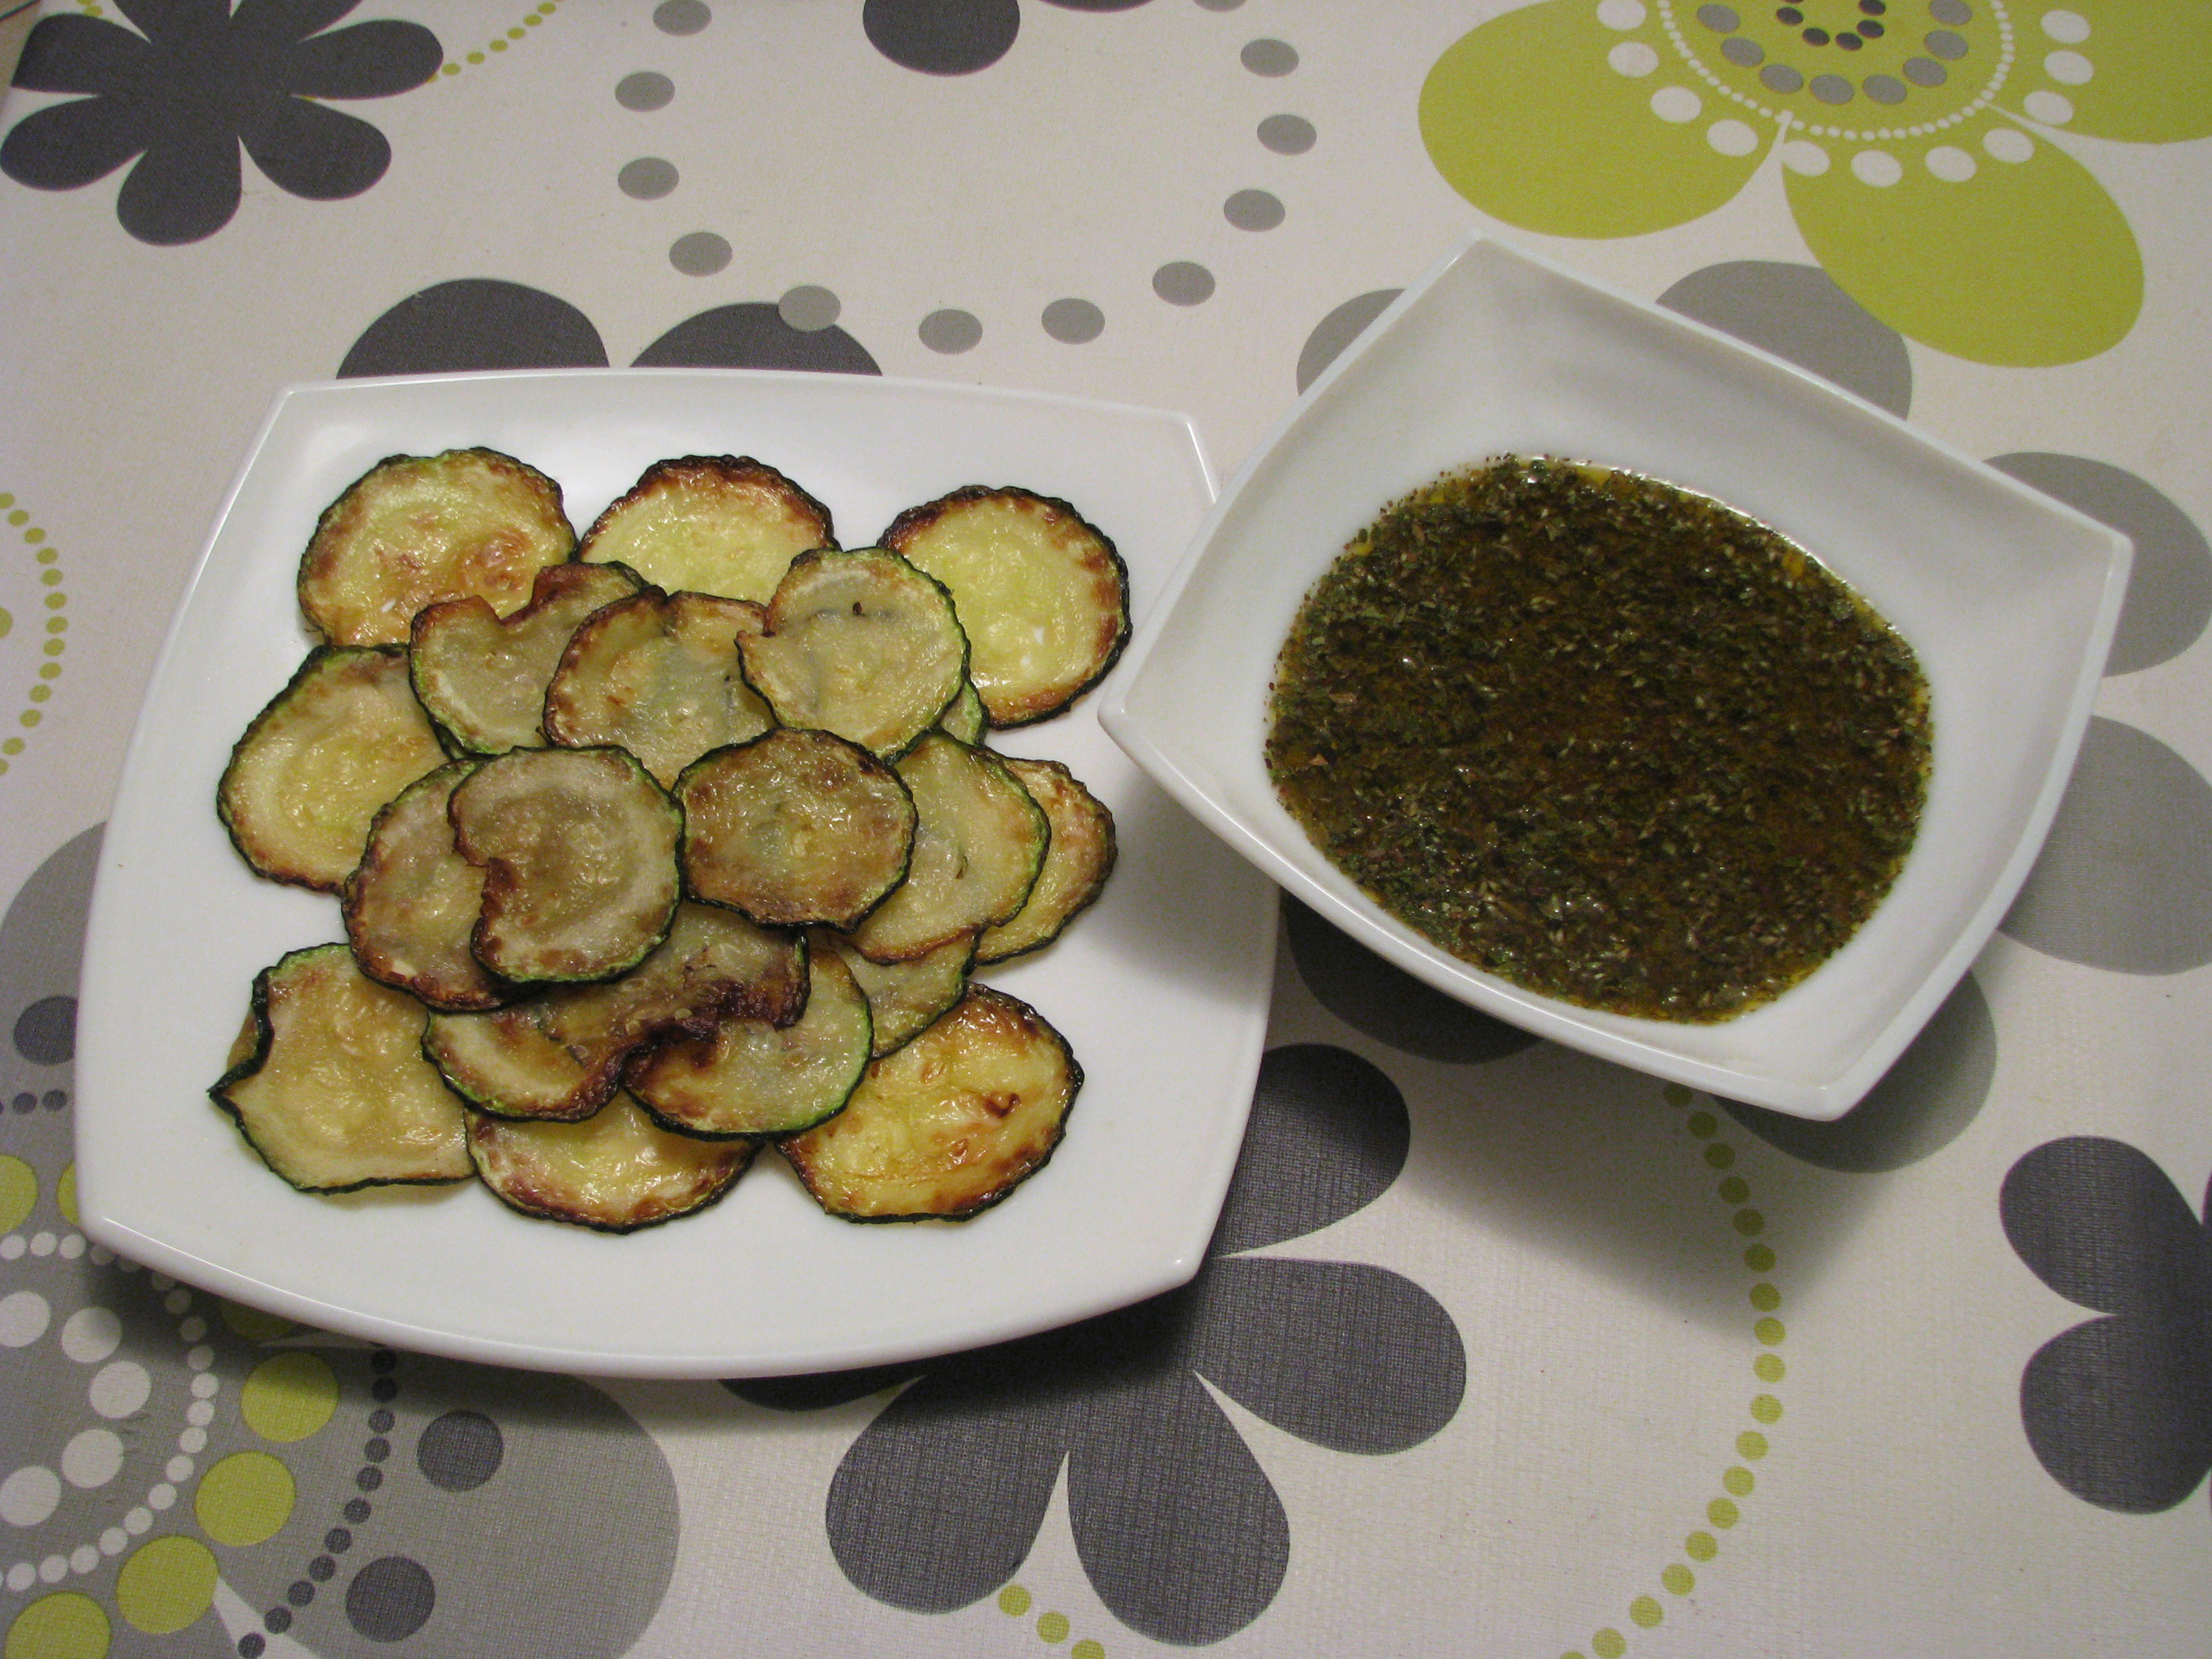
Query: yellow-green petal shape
{"points": [[1579, 119], [2132, 69], [1990, 244]]}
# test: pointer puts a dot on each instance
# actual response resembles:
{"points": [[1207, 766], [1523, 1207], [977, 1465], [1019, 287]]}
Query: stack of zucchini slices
{"points": [[661, 848]]}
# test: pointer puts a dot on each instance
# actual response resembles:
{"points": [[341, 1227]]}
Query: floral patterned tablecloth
{"points": [[1498, 1349]]}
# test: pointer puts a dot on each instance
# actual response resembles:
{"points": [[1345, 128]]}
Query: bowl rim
{"points": [[1630, 1041]]}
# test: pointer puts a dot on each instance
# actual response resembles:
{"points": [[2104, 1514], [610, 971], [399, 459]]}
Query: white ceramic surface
{"points": [[2010, 599], [1161, 988]]}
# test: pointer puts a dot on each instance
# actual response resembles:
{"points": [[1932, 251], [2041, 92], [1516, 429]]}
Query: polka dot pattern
{"points": [[1678, 1579], [42, 589], [499, 43]]}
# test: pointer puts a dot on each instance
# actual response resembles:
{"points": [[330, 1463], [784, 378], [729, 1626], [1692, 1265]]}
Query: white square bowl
{"points": [[2008, 598]]}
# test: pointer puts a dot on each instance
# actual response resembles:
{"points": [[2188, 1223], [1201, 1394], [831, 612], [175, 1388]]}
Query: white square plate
{"points": [[1161, 988], [2010, 599]]}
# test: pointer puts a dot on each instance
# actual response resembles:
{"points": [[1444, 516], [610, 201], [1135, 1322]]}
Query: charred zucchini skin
{"points": [[1082, 834], [326, 566], [796, 1150], [510, 888], [855, 788], [464, 985], [231, 808], [557, 587], [263, 1032], [794, 700], [907, 533], [685, 475], [486, 1131]]}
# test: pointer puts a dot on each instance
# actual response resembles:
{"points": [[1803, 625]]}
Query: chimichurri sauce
{"points": [[1608, 739]]}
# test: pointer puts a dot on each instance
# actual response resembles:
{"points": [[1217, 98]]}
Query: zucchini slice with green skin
{"points": [[753, 1079], [1043, 595], [558, 1054], [948, 1125], [316, 766], [795, 827], [578, 849], [411, 906], [966, 719], [1076, 860], [657, 674], [333, 1092], [979, 842], [417, 529], [617, 1170], [726, 525], [483, 677], [904, 997], [859, 643]]}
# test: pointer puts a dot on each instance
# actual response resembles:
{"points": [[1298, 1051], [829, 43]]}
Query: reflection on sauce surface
{"points": [[1609, 740]]}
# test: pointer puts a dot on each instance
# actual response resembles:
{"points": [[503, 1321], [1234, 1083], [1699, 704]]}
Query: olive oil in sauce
{"points": [[1603, 738]]}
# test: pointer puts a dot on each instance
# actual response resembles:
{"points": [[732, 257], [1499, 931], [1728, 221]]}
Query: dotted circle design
{"points": [[1788, 81], [90, 1337], [48, 616], [500, 43], [1678, 1578], [951, 331]]}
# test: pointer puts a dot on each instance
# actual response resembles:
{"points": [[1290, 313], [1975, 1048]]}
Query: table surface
{"points": [[1500, 1350]]}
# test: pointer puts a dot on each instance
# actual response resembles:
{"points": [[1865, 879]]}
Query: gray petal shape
{"points": [[1388, 1003], [1349, 1356], [1797, 312], [314, 151], [1339, 330], [2169, 598], [2114, 1410], [2124, 881], [1924, 1103], [70, 53], [2101, 1222], [471, 323], [185, 187], [1329, 1134], [937, 1503], [754, 335], [64, 146], [1177, 1523]]}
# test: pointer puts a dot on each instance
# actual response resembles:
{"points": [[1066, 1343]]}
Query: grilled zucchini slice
{"points": [[726, 525], [483, 677], [979, 842], [334, 1091], [904, 997], [1078, 858], [948, 1125], [658, 675], [616, 1171], [417, 530], [861, 644], [966, 719], [795, 827], [411, 906], [755, 1078], [578, 849], [315, 767], [558, 1054], [1043, 596]]}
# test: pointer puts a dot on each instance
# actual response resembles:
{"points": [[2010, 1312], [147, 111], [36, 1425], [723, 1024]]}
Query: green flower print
{"points": [[1915, 139]]}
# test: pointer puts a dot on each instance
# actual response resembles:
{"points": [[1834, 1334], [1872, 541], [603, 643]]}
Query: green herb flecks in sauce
{"points": [[1605, 738]]}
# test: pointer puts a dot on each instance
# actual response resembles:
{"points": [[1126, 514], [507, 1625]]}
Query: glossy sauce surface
{"points": [[1603, 738]]}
